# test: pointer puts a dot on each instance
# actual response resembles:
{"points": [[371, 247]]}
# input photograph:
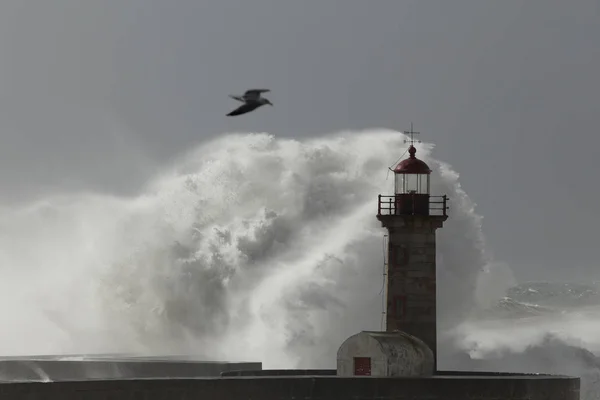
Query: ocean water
{"points": [[253, 247]]}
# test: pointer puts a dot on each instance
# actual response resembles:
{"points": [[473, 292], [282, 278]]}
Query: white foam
{"points": [[249, 247]]}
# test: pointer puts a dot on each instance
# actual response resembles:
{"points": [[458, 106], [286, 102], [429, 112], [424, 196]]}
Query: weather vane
{"points": [[411, 133]]}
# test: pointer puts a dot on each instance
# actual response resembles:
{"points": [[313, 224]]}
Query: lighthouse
{"points": [[412, 216]]}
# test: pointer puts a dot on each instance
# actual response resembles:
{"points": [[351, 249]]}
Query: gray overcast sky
{"points": [[97, 94]]}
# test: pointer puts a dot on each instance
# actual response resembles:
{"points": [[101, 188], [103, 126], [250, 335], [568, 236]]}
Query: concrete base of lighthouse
{"points": [[393, 354]]}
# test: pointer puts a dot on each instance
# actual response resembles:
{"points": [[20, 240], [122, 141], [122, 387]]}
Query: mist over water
{"points": [[252, 247]]}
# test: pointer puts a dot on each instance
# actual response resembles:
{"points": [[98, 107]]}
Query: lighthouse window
{"points": [[412, 183]]}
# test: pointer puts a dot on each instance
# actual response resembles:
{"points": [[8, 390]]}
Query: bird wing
{"points": [[254, 94], [244, 108], [238, 98]]}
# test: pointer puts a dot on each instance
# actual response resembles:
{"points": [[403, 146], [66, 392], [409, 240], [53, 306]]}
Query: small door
{"points": [[362, 366]]}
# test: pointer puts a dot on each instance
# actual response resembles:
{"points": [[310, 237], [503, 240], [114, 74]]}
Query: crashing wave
{"points": [[533, 299], [558, 294], [509, 307], [250, 247]]}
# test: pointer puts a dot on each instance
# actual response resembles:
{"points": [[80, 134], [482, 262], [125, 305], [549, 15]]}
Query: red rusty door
{"points": [[362, 366]]}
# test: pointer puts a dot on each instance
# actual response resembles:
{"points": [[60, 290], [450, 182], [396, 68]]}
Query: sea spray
{"points": [[248, 247]]}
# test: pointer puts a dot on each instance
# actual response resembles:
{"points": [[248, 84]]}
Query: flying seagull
{"points": [[252, 100]]}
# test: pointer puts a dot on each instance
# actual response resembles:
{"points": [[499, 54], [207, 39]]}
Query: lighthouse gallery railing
{"points": [[393, 205]]}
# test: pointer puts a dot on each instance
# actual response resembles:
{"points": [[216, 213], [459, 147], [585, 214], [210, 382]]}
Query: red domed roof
{"points": [[412, 165]]}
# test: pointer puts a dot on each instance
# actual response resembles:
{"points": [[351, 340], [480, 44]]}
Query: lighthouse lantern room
{"points": [[412, 175], [412, 185]]}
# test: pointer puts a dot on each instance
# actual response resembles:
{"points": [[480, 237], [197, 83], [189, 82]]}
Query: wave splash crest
{"points": [[249, 247]]}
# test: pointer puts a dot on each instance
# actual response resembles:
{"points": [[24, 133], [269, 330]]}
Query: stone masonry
{"points": [[411, 275]]}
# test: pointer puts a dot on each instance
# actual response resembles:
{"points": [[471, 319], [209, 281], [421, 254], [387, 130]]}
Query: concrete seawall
{"points": [[456, 386], [44, 370]]}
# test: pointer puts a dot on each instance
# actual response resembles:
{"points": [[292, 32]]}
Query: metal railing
{"points": [[408, 204]]}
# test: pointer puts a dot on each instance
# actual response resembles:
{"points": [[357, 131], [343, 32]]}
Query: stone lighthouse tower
{"points": [[412, 215], [408, 346]]}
